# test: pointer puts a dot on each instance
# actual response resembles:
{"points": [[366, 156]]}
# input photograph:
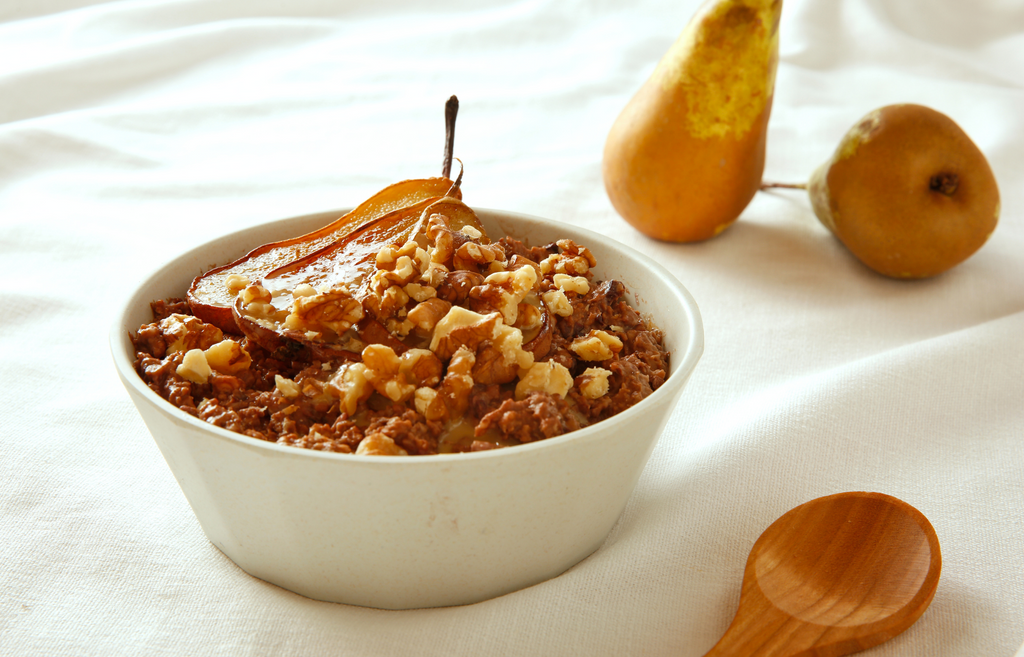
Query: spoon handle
{"points": [[758, 630]]}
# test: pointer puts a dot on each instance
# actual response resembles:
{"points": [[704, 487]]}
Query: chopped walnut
{"points": [[402, 265], [458, 381], [505, 290], [519, 261], [597, 345], [461, 327], [397, 377], [434, 275], [235, 283], [492, 366], [288, 388], [421, 367], [528, 317], [350, 385], [228, 357], [420, 293], [456, 285], [567, 283], [377, 444], [255, 293], [334, 309], [509, 340], [382, 371], [399, 327], [557, 303], [389, 301], [430, 404], [593, 383], [256, 300], [572, 260], [548, 376], [442, 238], [194, 367], [471, 256], [393, 283], [472, 232], [185, 332], [426, 314]]}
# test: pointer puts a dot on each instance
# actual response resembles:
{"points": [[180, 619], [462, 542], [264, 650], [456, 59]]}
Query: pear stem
{"points": [[451, 110], [777, 185]]}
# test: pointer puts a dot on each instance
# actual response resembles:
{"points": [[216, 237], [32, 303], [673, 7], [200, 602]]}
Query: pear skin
{"points": [[907, 192], [686, 154]]}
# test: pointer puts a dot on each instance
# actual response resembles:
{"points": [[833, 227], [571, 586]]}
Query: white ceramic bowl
{"points": [[425, 531]]}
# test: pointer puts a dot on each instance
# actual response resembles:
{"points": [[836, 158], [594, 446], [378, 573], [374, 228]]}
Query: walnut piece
{"points": [[461, 327], [334, 309], [350, 385], [255, 293], [426, 314], [557, 303], [593, 383], [430, 404], [378, 444], [434, 275], [393, 283], [472, 256], [472, 232], [572, 260], [185, 332], [567, 283], [391, 302], [228, 357], [256, 300], [402, 265], [194, 367], [548, 376], [458, 382], [505, 290], [457, 285], [288, 388], [529, 317], [597, 345], [442, 239], [397, 377], [419, 293], [235, 283], [421, 367]]}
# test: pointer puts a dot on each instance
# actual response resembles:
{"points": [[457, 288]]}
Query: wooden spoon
{"points": [[836, 575]]}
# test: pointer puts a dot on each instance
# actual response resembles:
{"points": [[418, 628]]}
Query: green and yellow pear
{"points": [[686, 154], [907, 192]]}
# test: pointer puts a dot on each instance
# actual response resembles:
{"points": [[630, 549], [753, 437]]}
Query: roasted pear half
{"points": [[212, 294]]}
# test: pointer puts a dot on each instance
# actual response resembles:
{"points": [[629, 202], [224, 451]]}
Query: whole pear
{"points": [[686, 154], [907, 192]]}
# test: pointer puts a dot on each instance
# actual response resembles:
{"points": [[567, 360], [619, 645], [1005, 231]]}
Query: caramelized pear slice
{"points": [[538, 341], [458, 214], [347, 263], [212, 294], [296, 345]]}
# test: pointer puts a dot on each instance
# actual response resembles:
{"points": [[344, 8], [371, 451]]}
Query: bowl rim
{"points": [[684, 360]]}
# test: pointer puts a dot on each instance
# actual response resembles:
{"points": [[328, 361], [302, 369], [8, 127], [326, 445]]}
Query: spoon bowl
{"points": [[834, 576]]}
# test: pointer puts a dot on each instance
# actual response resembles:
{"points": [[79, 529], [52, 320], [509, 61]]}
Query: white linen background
{"points": [[131, 131]]}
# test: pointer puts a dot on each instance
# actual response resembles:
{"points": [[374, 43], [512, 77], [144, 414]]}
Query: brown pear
{"points": [[907, 192], [686, 154]]}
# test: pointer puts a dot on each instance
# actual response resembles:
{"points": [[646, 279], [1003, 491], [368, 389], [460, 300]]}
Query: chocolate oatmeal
{"points": [[446, 342]]}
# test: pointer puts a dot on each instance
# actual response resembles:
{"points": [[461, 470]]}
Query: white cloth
{"points": [[131, 131]]}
